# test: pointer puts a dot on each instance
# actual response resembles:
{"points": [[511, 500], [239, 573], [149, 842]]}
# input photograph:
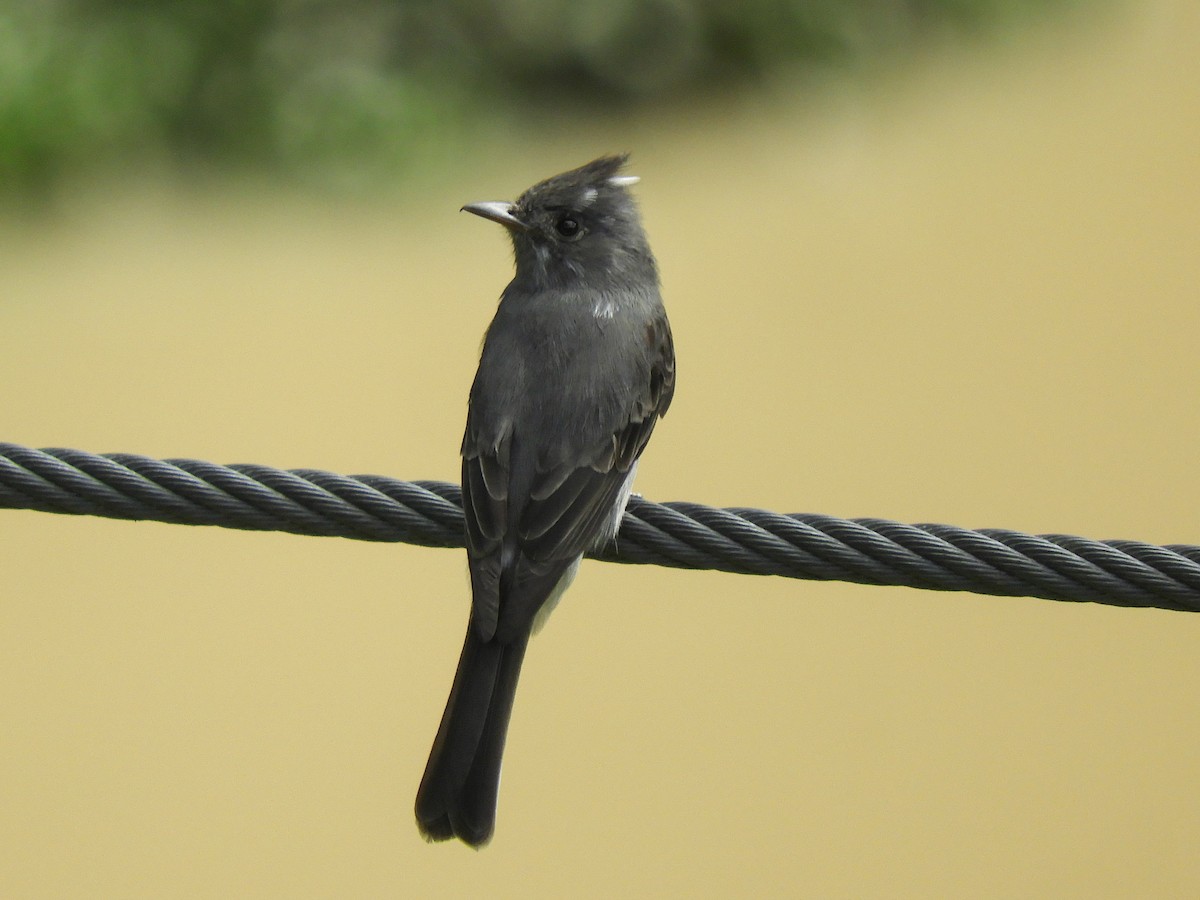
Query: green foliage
{"points": [[322, 84]]}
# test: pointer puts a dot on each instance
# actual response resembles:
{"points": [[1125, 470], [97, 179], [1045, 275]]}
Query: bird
{"points": [[576, 369]]}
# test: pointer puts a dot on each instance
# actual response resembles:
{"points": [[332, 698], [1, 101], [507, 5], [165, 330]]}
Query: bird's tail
{"points": [[457, 797]]}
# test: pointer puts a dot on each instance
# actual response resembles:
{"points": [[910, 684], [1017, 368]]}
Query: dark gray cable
{"points": [[683, 535]]}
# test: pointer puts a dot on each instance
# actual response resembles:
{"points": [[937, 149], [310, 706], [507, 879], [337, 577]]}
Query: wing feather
{"points": [[517, 556]]}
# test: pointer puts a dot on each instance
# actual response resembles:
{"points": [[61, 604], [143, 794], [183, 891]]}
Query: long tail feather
{"points": [[457, 797]]}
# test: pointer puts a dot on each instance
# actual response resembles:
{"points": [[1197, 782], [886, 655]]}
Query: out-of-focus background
{"points": [[931, 261]]}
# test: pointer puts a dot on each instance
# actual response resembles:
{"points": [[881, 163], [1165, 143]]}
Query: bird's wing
{"points": [[569, 505]]}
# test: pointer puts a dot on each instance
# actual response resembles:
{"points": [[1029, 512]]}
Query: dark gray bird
{"points": [[577, 367]]}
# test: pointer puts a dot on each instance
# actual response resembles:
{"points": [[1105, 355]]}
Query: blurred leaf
{"points": [[353, 89]]}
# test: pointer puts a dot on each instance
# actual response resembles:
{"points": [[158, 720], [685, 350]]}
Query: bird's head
{"points": [[580, 226]]}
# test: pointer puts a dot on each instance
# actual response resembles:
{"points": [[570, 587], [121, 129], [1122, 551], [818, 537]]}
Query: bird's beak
{"points": [[498, 211]]}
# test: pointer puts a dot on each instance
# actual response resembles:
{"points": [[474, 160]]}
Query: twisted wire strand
{"points": [[680, 535]]}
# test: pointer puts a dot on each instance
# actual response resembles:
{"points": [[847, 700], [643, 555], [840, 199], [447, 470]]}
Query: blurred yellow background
{"points": [[963, 292]]}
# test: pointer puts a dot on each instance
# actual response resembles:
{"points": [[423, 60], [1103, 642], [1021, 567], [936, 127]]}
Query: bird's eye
{"points": [[568, 226]]}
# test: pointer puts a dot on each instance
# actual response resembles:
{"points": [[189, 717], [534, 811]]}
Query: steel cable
{"points": [[681, 535]]}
